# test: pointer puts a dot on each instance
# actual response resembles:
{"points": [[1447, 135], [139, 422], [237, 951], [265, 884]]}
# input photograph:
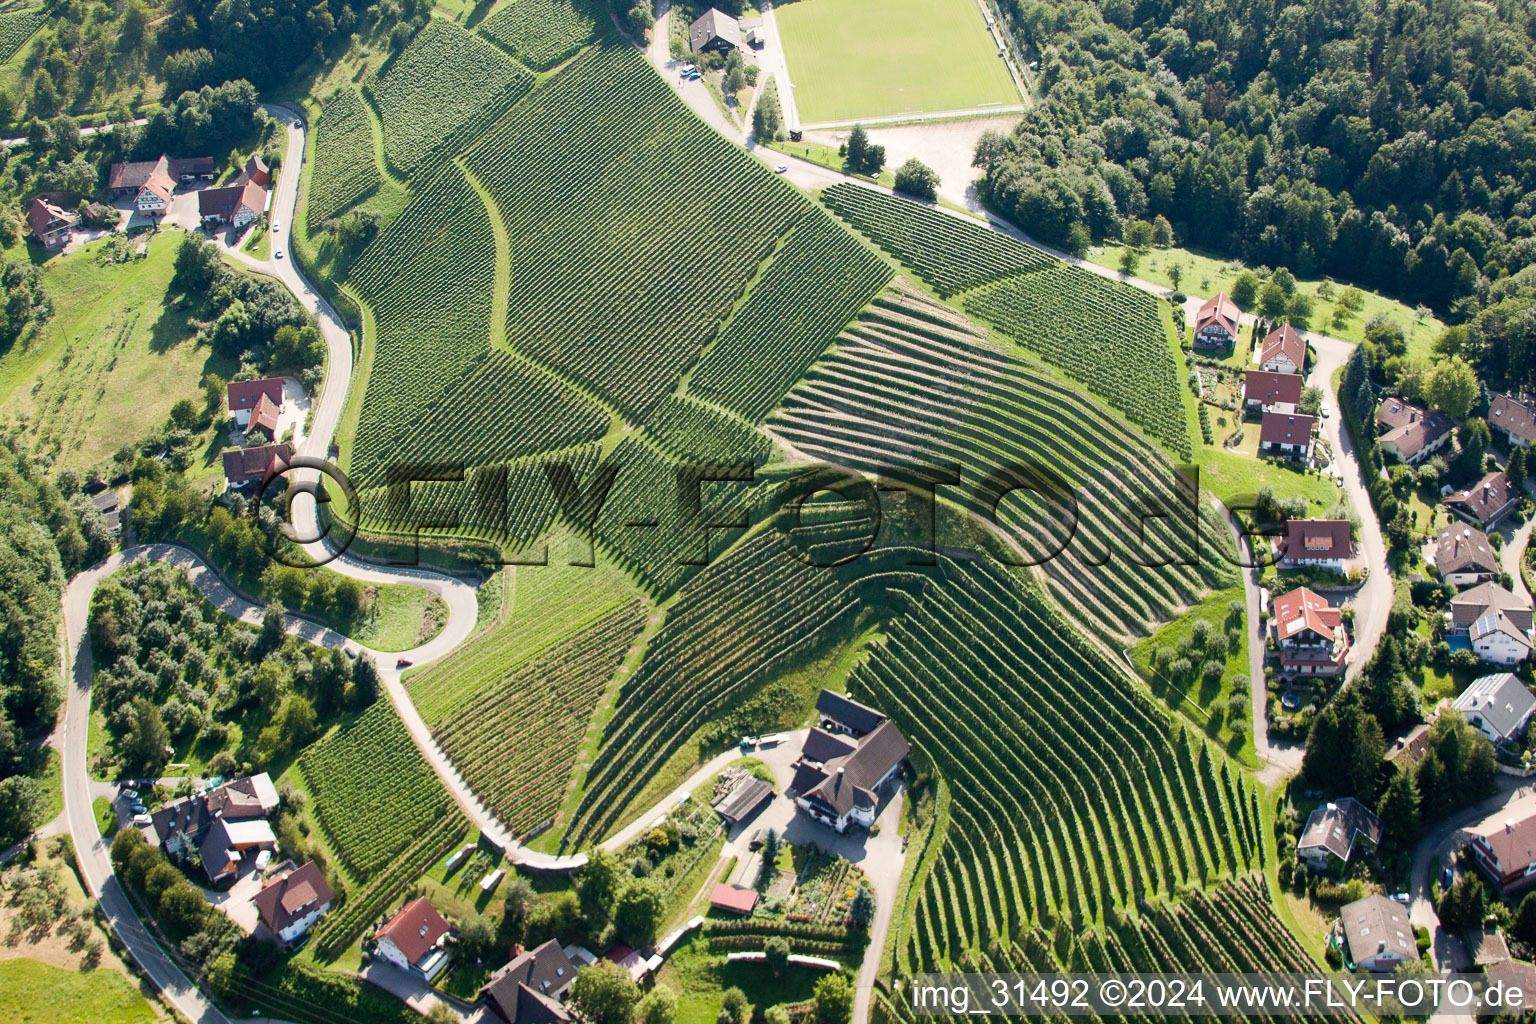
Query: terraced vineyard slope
{"points": [[446, 85], [1108, 335], [344, 168], [16, 27], [542, 33]]}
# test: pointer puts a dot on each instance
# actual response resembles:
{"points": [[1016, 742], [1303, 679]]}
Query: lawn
{"points": [[852, 59], [1206, 274], [701, 978], [109, 365], [1234, 473], [35, 993]]}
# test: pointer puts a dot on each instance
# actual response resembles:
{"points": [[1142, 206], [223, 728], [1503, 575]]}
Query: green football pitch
{"points": [[863, 59]]}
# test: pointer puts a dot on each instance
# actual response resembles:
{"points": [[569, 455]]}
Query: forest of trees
{"points": [[1389, 143]]}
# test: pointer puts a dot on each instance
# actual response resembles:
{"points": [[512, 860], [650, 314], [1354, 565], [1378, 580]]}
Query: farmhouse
{"points": [[1410, 434], [714, 30], [50, 223], [1287, 434], [246, 466], [412, 940], [1378, 933], [1485, 502], [245, 394], [255, 171], [1263, 390], [529, 989], [128, 179], [1324, 543], [838, 775], [1498, 706], [1514, 418], [1505, 850], [220, 827], [1464, 557], [846, 715], [264, 418], [233, 204], [1334, 830], [1284, 351], [291, 903], [1216, 322], [1310, 634]]}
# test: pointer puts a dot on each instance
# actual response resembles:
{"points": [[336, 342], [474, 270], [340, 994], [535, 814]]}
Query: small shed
{"points": [[743, 801], [736, 899]]}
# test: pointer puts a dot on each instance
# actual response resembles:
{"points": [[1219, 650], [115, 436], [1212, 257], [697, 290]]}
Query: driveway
{"points": [[236, 900]]}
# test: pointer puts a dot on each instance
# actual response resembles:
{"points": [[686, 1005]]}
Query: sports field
{"points": [[862, 59]]}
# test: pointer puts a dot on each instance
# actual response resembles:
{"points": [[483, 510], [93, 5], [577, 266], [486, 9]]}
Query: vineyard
{"points": [[372, 791], [443, 89], [542, 33], [812, 288], [511, 721], [951, 253], [1231, 929], [1106, 334], [694, 429], [16, 27], [913, 382], [624, 264], [345, 171], [1072, 792]]}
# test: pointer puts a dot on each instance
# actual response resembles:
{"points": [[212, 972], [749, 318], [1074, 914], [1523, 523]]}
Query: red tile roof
{"points": [[1302, 611], [250, 465], [43, 217], [1284, 341], [415, 929], [264, 416], [1219, 310], [1285, 428], [1268, 387], [244, 394], [291, 895], [734, 898], [1318, 538]]}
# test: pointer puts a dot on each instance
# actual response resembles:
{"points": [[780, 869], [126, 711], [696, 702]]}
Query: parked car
{"points": [[142, 821], [278, 254], [138, 808], [694, 76], [128, 794], [782, 168], [402, 663]]}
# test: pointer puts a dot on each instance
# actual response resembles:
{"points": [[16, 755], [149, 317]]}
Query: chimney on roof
{"points": [[1509, 824]]}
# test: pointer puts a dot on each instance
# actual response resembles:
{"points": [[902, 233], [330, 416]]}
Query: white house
{"points": [[1334, 830], [1498, 706], [1499, 640], [839, 775], [1464, 557], [1283, 351], [291, 903], [1496, 623], [412, 940], [1378, 933]]}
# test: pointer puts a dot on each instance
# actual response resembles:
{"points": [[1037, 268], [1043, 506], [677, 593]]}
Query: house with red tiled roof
{"points": [[737, 899], [264, 418], [1264, 390], [126, 179], [1514, 419], [50, 223], [232, 204], [1310, 634], [292, 902], [1485, 502], [1504, 847], [245, 394], [1216, 322], [1321, 543], [246, 466], [1283, 351], [1286, 434], [412, 940]]}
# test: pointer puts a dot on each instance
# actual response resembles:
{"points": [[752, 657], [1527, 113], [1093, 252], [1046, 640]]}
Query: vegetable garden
{"points": [[442, 90], [345, 171], [542, 33]]}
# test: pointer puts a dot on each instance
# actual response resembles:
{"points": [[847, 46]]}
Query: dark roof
{"points": [[1513, 416], [1269, 387], [291, 895], [247, 465], [744, 799], [1284, 341], [1411, 429], [849, 781], [1460, 547], [237, 801], [1500, 699], [137, 174], [848, 712], [415, 929], [1285, 428], [524, 991], [1335, 826], [1376, 925], [1486, 946], [1318, 538], [1487, 599], [714, 24], [1485, 500], [822, 746], [105, 501], [244, 394]]}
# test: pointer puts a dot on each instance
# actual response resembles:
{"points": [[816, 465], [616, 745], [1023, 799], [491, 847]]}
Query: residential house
{"points": [[127, 179], [1485, 502], [838, 776], [1216, 322], [1334, 831], [1323, 543], [1514, 419], [244, 467], [245, 394], [219, 828], [291, 903], [50, 223], [714, 30], [1498, 706], [255, 171], [412, 940], [529, 990], [264, 419], [1377, 933], [1505, 849], [1283, 351], [1286, 434], [1486, 946], [1310, 634], [735, 899], [232, 204], [1263, 390], [1496, 623], [1463, 556], [838, 713], [1410, 434], [635, 965]]}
